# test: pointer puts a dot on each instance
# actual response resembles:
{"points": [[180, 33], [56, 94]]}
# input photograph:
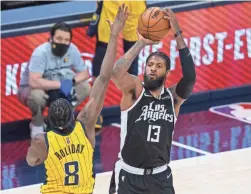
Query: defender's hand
{"points": [[172, 19], [119, 22]]}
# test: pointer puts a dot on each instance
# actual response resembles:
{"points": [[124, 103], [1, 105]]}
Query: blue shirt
{"points": [[52, 67]]}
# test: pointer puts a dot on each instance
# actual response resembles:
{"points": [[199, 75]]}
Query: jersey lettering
{"points": [[153, 112]]}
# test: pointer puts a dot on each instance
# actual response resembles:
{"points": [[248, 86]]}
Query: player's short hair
{"points": [[163, 56], [60, 114], [61, 26]]}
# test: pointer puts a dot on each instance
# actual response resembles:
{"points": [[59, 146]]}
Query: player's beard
{"points": [[151, 84]]}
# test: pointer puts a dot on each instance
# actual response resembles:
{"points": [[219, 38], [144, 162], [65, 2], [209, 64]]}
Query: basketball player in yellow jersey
{"points": [[67, 150]]}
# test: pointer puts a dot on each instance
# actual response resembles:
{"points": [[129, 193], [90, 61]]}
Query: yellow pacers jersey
{"points": [[69, 165], [109, 11]]}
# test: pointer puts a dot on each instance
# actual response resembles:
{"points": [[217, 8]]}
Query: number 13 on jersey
{"points": [[153, 133]]}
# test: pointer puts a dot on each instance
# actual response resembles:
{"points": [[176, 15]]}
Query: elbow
{"points": [[192, 79], [118, 73], [115, 73], [104, 78], [29, 162], [32, 84]]}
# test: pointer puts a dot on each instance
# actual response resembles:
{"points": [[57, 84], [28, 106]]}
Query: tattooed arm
{"points": [[123, 80]]}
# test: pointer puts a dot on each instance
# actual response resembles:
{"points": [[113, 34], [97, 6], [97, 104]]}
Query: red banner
{"points": [[219, 39]]}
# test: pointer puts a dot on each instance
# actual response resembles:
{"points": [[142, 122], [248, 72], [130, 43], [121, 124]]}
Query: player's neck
{"points": [[156, 93]]}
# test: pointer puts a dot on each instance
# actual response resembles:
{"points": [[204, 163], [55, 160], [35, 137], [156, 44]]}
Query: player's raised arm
{"points": [[90, 112], [185, 86], [123, 80]]}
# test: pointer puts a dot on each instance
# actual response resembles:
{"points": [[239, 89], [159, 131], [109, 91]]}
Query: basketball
{"points": [[152, 25]]}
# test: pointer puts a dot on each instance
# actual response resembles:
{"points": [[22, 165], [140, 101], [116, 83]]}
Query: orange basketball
{"points": [[152, 25]]}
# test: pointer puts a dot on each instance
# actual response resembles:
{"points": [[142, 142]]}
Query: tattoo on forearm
{"points": [[128, 58], [122, 63]]}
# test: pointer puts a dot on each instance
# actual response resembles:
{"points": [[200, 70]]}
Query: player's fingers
{"points": [[156, 42], [138, 34], [126, 16], [167, 13], [123, 6], [122, 10], [126, 9], [168, 10], [171, 11], [118, 13], [167, 17], [164, 11]]}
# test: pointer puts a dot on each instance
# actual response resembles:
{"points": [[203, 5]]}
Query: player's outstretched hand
{"points": [[120, 20], [172, 19], [146, 41]]}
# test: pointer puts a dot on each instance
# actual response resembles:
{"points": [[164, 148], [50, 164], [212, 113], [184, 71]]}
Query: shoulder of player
{"points": [[137, 88], [172, 88], [132, 96], [177, 100]]}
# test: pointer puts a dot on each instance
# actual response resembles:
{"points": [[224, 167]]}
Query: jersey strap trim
{"points": [[65, 134], [83, 127], [135, 103], [46, 141], [170, 93]]}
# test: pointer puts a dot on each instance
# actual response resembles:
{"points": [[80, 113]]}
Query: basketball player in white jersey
{"points": [[148, 115]]}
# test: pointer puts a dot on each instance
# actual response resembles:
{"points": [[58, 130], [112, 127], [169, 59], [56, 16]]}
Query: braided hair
{"points": [[61, 114]]}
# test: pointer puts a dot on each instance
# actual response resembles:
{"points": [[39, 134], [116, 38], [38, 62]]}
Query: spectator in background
{"points": [[55, 70], [107, 10]]}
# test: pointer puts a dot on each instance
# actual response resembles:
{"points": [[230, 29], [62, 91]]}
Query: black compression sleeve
{"points": [[186, 84]]}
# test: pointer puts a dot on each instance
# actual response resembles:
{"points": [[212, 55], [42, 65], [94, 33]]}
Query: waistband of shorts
{"points": [[142, 171]]}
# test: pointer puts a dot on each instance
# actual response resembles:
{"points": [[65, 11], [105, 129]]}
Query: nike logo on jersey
{"points": [[154, 112], [147, 95], [166, 97]]}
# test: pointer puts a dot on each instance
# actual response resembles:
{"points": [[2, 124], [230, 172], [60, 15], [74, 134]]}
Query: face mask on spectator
{"points": [[59, 49]]}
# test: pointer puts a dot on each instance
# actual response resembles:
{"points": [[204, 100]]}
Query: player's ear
{"points": [[167, 73]]}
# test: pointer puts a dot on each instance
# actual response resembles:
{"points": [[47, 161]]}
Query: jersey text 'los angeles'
{"points": [[147, 130]]}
